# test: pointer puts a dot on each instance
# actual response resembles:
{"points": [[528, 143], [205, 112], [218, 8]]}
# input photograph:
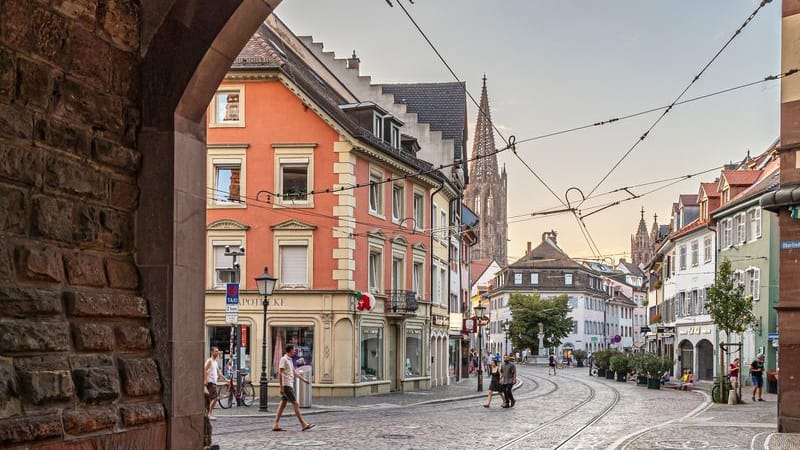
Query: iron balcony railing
{"points": [[401, 302]]}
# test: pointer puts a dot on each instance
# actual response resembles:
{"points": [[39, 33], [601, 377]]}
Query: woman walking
{"points": [[494, 385]]}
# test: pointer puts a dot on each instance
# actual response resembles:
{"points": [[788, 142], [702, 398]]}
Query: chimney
{"points": [[353, 61], [529, 249]]}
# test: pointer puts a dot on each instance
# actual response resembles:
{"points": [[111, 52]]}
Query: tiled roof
{"points": [[741, 177], [634, 269], [547, 256], [690, 228], [620, 298], [711, 189], [442, 105], [769, 179], [688, 199], [477, 268]]}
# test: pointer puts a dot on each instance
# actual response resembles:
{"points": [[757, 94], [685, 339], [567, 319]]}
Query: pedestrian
{"points": [[552, 364], [733, 373], [211, 374], [525, 356], [589, 362], [286, 375], [494, 385], [509, 377], [757, 376]]}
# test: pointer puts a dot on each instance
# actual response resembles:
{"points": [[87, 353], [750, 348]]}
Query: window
{"points": [[755, 223], [752, 280], [443, 282], [377, 125], [375, 191], [395, 136], [728, 235], [398, 200], [227, 107], [419, 211], [294, 174], [434, 231], [695, 252], [477, 206], [226, 175], [741, 236], [303, 340], [534, 278], [575, 327], [293, 266], [397, 272], [224, 271], [517, 278], [435, 291], [707, 249], [374, 270], [371, 353], [568, 279], [683, 257], [413, 361], [416, 278], [443, 223]]}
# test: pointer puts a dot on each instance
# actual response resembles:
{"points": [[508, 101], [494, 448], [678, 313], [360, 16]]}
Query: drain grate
{"points": [[395, 436]]}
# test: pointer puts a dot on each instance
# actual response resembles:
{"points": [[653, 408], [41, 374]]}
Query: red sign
{"points": [[244, 336]]}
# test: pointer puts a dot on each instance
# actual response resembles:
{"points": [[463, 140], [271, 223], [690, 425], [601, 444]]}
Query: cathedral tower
{"points": [[642, 244], [486, 192]]}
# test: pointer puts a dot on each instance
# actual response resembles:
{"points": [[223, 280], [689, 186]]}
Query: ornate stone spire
{"points": [[483, 144]]}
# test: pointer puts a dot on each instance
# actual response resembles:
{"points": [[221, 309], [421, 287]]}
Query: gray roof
{"points": [[442, 105]]}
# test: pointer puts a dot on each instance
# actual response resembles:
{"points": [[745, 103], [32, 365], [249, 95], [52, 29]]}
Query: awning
{"points": [[776, 200]]}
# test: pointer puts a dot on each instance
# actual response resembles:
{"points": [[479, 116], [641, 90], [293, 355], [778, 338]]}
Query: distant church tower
{"points": [[486, 192], [642, 246]]}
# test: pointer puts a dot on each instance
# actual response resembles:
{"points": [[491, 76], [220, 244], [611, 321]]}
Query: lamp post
{"points": [[236, 361], [479, 312], [266, 284], [507, 332]]}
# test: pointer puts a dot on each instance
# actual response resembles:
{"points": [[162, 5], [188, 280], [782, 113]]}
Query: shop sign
{"points": [[441, 321], [455, 319], [258, 301]]}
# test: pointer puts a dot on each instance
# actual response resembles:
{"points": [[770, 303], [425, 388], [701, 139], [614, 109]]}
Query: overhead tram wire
{"points": [[509, 142], [674, 102]]}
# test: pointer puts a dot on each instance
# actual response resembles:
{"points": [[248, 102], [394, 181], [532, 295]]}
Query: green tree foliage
{"points": [[530, 310], [726, 303]]}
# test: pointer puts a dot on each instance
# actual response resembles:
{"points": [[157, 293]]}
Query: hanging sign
{"points": [[365, 301]]}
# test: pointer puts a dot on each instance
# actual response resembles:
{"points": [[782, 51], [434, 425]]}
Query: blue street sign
{"points": [[772, 336], [790, 245], [232, 294]]}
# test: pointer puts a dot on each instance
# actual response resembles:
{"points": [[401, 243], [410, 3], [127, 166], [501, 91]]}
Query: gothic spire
{"points": [[483, 144]]}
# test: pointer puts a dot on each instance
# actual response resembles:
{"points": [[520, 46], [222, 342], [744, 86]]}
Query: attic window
{"points": [[377, 125], [277, 48], [395, 136]]}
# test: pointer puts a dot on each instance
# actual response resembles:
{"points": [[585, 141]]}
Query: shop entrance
{"points": [[687, 356], [391, 342], [705, 360], [220, 336]]}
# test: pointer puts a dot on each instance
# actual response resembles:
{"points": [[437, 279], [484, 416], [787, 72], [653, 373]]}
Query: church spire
{"points": [[483, 144]]}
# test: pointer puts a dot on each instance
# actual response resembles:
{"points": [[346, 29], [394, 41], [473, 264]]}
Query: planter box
{"points": [[622, 376], [641, 380], [601, 372], [653, 383], [580, 363], [610, 374]]}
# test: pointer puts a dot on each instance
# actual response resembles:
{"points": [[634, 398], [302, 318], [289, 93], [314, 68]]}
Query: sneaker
{"points": [[210, 417], [761, 400]]}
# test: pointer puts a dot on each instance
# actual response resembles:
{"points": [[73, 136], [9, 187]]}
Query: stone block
{"points": [[8, 74], [73, 177], [21, 164], [28, 336], [6, 268], [16, 122], [342, 253], [133, 337], [30, 428], [81, 10], [9, 397], [125, 78], [122, 273], [141, 414], [123, 195], [34, 84], [84, 269], [48, 34], [105, 305], [38, 262], [92, 336], [103, 228], [84, 104], [17, 302], [96, 380], [13, 210], [53, 218], [84, 421], [44, 386], [59, 135], [139, 376], [116, 155], [92, 66]]}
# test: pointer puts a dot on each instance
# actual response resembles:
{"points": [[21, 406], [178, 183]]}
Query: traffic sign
{"points": [[231, 318], [231, 308], [232, 303]]}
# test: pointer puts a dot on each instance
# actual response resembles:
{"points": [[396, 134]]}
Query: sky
{"points": [[553, 66]]}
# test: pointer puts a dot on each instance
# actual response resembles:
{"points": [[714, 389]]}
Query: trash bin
{"points": [[304, 390], [772, 382]]}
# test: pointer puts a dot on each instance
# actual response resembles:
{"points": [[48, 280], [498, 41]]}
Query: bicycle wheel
{"points": [[225, 397], [715, 397], [248, 394]]}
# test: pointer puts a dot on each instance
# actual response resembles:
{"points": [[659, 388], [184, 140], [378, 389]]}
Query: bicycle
{"points": [[715, 394], [243, 391]]}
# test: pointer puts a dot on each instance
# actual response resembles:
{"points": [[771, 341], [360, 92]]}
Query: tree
{"points": [[731, 311], [528, 311]]}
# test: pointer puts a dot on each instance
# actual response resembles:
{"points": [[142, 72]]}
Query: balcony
{"points": [[400, 302]]}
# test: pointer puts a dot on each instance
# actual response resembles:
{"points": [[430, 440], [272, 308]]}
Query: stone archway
{"points": [[705, 360], [686, 353]]}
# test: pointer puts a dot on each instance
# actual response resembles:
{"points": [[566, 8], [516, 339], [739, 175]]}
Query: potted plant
{"points": [[636, 368], [652, 368], [655, 318], [609, 370], [580, 357], [601, 361], [620, 364]]}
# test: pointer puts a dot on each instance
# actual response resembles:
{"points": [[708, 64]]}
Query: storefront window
{"points": [[303, 340], [455, 357], [220, 337], [413, 353], [371, 353]]}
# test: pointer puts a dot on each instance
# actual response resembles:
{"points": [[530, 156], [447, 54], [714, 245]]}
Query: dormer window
{"points": [[394, 136], [377, 125], [726, 196]]}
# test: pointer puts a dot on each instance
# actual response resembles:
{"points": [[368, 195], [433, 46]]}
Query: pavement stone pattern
{"points": [[570, 410]]}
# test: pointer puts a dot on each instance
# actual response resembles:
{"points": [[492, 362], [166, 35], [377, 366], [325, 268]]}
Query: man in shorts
{"points": [[757, 376], [211, 374], [507, 379], [552, 363], [286, 376]]}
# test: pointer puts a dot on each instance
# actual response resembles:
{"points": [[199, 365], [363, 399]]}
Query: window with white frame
{"points": [[226, 173], [419, 210], [294, 174], [568, 279], [702, 300], [224, 271], [377, 125], [294, 181], [738, 277], [695, 252], [375, 269], [708, 250], [443, 282], [226, 183], [728, 234], [534, 278], [375, 193], [417, 271], [398, 202], [682, 257], [435, 291], [398, 269], [755, 222], [434, 224], [517, 278], [753, 280], [293, 261], [395, 136], [443, 223], [227, 107], [741, 235]]}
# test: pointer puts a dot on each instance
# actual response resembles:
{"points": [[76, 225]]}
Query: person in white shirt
{"points": [[211, 374], [286, 376]]}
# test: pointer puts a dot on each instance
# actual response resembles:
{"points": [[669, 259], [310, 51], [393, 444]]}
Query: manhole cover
{"points": [[304, 443], [395, 436]]}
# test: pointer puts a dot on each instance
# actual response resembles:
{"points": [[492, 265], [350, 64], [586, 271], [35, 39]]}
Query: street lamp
{"points": [[480, 310], [266, 284], [507, 331]]}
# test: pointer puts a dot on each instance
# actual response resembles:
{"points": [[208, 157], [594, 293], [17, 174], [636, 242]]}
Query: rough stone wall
{"points": [[76, 358]]}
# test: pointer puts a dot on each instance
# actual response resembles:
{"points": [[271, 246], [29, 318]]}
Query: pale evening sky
{"points": [[557, 65]]}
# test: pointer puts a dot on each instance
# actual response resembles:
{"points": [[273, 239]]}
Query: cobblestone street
{"points": [[570, 410]]}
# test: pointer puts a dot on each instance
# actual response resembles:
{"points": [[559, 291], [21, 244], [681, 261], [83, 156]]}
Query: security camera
{"points": [[241, 249], [227, 249]]}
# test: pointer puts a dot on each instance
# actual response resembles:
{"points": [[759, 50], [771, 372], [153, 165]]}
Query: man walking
{"points": [[552, 363], [286, 376], [757, 376], [509, 377], [211, 374]]}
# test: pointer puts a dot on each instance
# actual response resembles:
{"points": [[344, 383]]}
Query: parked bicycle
{"points": [[715, 391], [243, 391]]}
